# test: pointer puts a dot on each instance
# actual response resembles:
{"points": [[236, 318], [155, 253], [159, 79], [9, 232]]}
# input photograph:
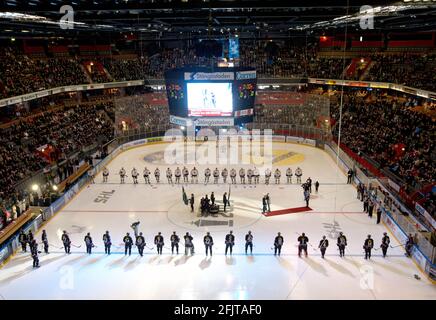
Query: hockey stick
{"points": [[52, 245], [149, 247], [401, 244], [79, 246]]}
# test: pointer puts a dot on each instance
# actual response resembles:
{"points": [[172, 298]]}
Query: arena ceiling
{"points": [[152, 19]]}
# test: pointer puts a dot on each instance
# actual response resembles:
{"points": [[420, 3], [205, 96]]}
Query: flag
{"points": [[185, 197], [228, 198]]}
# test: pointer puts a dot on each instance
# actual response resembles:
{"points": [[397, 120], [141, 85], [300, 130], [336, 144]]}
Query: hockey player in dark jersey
{"points": [[278, 243], [249, 242], [189, 245], [22, 238], [159, 242], [230, 242], [44, 240], [34, 252], [174, 242], [385, 244], [367, 246], [409, 245], [107, 243], [208, 243], [66, 241], [88, 243], [303, 240], [140, 244], [342, 243], [323, 244], [128, 242]]}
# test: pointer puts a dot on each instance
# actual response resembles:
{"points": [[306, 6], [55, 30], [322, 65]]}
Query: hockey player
{"points": [[212, 198], [169, 176], [289, 175], [122, 174], [249, 175], [277, 175], [105, 174], [242, 175], [233, 175], [298, 174], [342, 243], [88, 243], [191, 202], [157, 175], [189, 245], [140, 244], [366, 204], [34, 252], [230, 242], [249, 242], [316, 186], [177, 174], [385, 244], [44, 240], [303, 240], [208, 243], [107, 243], [224, 174], [307, 197], [159, 242], [22, 238], [206, 175], [349, 176], [256, 175], [194, 175], [134, 226], [268, 202], [278, 243], [174, 242], [216, 175], [309, 184], [134, 174], [323, 244], [185, 175], [146, 175], [29, 236], [370, 208], [128, 242], [379, 213], [409, 245], [66, 241], [267, 175], [225, 201], [367, 246], [264, 204]]}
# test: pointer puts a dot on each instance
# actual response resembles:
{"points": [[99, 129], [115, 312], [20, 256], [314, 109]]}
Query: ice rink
{"points": [[258, 276]]}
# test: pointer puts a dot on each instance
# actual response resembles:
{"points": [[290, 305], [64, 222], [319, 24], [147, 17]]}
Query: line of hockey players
{"points": [[159, 242], [191, 176]]}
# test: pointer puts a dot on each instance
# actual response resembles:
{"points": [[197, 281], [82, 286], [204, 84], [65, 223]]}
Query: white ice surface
{"points": [[261, 276]]}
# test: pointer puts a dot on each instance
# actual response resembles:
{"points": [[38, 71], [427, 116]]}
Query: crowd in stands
{"points": [[413, 70], [68, 130], [386, 130], [22, 74]]}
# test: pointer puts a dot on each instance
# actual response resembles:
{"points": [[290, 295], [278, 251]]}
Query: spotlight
{"points": [[35, 187], [55, 188], [182, 127]]}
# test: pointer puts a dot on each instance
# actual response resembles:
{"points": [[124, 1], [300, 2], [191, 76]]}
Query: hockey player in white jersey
{"points": [[289, 175], [122, 174], [185, 175], [206, 175], [134, 174], [169, 176], [177, 174], [157, 175], [277, 175], [194, 175], [298, 174], [146, 175], [242, 175], [224, 174], [256, 175], [216, 175], [105, 174], [233, 175], [249, 175], [267, 175]]}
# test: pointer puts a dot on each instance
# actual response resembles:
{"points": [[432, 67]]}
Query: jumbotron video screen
{"points": [[210, 99]]}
